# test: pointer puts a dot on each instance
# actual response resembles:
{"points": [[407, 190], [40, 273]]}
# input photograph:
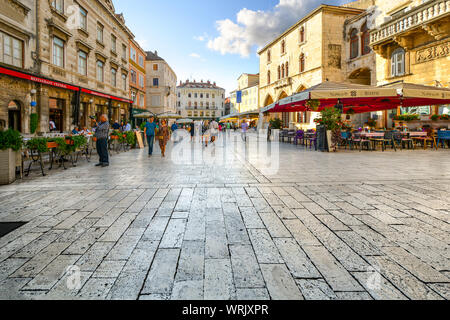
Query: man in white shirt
{"points": [[214, 129], [52, 125]]}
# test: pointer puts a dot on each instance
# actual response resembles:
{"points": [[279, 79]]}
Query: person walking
{"points": [[163, 137], [213, 129], [174, 129], [205, 133], [244, 128], [101, 133], [149, 132], [192, 130]]}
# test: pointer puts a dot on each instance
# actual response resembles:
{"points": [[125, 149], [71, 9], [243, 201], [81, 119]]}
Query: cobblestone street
{"points": [[347, 225]]}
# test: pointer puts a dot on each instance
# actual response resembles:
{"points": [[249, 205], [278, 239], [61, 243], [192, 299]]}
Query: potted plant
{"points": [[275, 127], [40, 145], [313, 104], [10, 144], [115, 135], [331, 119]]}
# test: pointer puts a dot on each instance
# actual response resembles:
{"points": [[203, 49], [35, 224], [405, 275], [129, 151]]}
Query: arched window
{"points": [[279, 72], [365, 39], [398, 62], [268, 77], [354, 44], [283, 47], [287, 69], [302, 63], [302, 34], [282, 71], [269, 58]]}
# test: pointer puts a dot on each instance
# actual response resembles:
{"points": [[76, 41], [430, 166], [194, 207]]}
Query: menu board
{"points": [[139, 139]]}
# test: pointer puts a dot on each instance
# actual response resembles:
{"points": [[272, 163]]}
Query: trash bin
{"points": [[322, 141]]}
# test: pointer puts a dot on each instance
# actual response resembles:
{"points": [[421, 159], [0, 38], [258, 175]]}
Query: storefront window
{"points": [[423, 110], [445, 109]]}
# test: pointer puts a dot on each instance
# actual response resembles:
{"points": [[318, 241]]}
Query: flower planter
{"points": [[8, 160], [69, 142], [114, 137], [52, 145]]}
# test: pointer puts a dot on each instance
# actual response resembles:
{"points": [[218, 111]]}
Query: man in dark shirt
{"points": [[116, 125], [101, 133], [149, 132]]}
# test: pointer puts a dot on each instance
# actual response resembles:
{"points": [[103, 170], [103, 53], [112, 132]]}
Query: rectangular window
{"points": [[12, 51], [141, 80], [82, 63], [155, 67], [133, 76], [142, 100], [99, 33], [83, 19], [141, 61], [133, 54], [58, 52], [155, 82], [100, 71], [124, 81], [114, 77], [156, 101], [124, 52], [113, 43], [58, 5]]}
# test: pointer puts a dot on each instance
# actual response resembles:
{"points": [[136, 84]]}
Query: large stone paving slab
{"points": [[347, 225]]}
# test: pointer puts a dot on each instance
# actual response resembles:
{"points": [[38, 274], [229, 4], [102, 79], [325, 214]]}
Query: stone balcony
{"points": [[428, 16]]}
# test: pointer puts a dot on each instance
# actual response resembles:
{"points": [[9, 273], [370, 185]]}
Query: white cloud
{"points": [[201, 38], [195, 55], [257, 28]]}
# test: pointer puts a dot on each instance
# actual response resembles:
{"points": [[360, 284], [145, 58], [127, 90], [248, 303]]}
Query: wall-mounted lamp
{"points": [[91, 101], [33, 91]]}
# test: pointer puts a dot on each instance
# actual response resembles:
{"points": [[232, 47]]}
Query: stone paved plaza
{"points": [[347, 225]]}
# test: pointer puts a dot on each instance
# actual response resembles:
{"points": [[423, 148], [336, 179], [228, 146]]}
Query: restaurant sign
{"points": [[431, 53]]}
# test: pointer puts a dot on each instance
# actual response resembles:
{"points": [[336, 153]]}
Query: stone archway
{"points": [[268, 100], [361, 76], [285, 116], [300, 89]]}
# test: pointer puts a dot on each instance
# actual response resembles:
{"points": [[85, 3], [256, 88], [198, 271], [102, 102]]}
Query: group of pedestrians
{"points": [[154, 131]]}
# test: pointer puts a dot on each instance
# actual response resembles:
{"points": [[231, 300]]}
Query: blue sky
{"points": [[211, 39]]}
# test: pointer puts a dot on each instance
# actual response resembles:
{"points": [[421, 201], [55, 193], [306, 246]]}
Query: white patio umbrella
{"points": [[185, 121]]}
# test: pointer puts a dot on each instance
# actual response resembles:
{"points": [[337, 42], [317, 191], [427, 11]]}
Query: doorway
{"points": [[56, 113], [14, 116]]}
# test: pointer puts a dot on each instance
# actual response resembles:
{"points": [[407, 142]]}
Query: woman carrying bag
{"points": [[163, 137]]}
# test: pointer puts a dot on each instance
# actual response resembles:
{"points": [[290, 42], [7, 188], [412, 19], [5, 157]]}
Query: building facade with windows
{"points": [[308, 53], [247, 92], [80, 62], [137, 76], [161, 84], [200, 100], [411, 40], [17, 54]]}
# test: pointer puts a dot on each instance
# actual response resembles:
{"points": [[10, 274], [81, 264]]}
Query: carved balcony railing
{"points": [[420, 16]]}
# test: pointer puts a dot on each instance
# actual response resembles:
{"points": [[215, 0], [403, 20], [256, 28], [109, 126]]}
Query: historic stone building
{"points": [[308, 53], [411, 40], [80, 65], [200, 100], [248, 92], [17, 56], [137, 77], [161, 84]]}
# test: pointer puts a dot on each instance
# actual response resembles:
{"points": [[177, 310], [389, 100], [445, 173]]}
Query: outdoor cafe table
{"points": [[420, 136], [373, 137]]}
